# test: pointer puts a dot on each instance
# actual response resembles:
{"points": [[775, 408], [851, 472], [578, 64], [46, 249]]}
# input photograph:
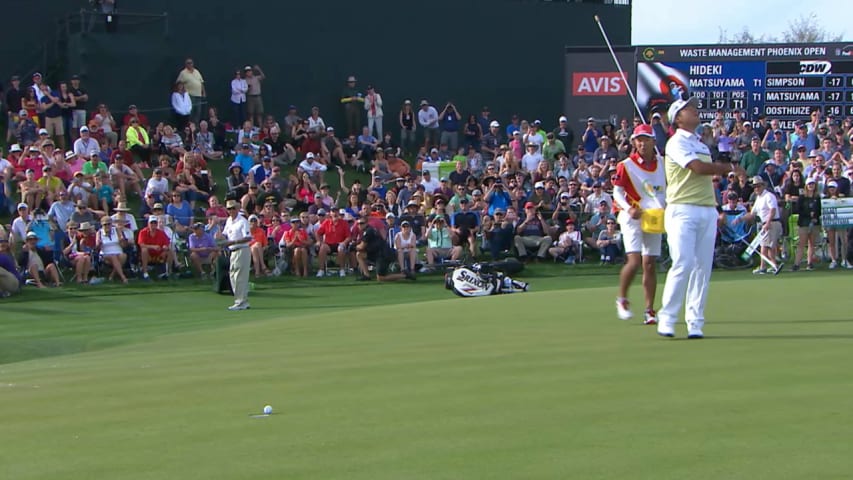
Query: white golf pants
{"points": [[691, 231]]}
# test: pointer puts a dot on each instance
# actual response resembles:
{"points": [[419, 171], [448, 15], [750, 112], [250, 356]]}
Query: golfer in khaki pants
{"points": [[238, 235]]}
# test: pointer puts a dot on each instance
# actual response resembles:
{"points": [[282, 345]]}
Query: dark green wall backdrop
{"points": [[508, 54]]}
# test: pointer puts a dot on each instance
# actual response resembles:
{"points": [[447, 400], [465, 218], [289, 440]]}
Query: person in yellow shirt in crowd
{"points": [[137, 140]]}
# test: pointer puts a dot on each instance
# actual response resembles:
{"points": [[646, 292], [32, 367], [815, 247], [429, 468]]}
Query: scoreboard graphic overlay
{"points": [[781, 81]]}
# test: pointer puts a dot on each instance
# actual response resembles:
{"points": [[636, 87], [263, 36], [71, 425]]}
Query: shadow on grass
{"points": [[764, 322], [793, 336]]}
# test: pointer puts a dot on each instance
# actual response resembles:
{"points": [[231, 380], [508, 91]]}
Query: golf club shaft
{"points": [[619, 67], [758, 251]]}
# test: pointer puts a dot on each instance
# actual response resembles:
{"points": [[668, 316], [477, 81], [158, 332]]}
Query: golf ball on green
{"points": [[267, 410]]}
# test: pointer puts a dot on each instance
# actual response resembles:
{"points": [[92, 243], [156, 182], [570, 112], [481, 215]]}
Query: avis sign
{"points": [[597, 84]]}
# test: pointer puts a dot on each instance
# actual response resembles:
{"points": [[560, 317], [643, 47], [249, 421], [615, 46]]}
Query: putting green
{"points": [[545, 385]]}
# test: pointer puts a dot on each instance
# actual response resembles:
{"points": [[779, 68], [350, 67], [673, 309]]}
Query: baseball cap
{"points": [[463, 200], [563, 119], [253, 217], [476, 192], [424, 103], [494, 124], [529, 205], [643, 130], [590, 119], [84, 129], [70, 154], [42, 131], [157, 206], [539, 185], [442, 179], [32, 235], [811, 180], [390, 215], [757, 179], [318, 195], [832, 184], [309, 155], [321, 212], [747, 124], [152, 219], [679, 105], [22, 205], [23, 113], [15, 148], [815, 153], [656, 115]]}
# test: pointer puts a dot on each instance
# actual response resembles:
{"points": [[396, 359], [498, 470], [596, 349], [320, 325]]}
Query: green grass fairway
{"points": [[406, 381]]}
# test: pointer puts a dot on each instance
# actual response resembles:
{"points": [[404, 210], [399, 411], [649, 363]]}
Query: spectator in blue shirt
{"points": [[11, 280], [591, 135], [367, 144], [181, 212], [497, 197], [245, 157], [513, 126], [449, 118], [802, 136]]}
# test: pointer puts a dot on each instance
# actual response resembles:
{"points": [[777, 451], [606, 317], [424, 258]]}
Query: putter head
{"points": [[778, 269]]}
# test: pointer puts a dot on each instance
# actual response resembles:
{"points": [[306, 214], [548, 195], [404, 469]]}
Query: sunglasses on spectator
{"points": [[611, 223], [362, 223]]}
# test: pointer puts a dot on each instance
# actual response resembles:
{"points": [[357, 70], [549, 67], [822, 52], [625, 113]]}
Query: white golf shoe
{"points": [[623, 309]]}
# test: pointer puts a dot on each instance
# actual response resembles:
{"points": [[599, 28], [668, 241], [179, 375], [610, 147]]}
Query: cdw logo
{"points": [[597, 84], [815, 67]]}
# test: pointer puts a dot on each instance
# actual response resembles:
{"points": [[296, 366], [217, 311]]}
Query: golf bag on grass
{"points": [[221, 280], [481, 279]]}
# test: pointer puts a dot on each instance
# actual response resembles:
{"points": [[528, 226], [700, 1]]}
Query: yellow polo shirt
{"points": [[683, 186]]}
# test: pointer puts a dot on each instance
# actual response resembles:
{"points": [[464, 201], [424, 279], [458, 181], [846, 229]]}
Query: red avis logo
{"points": [[595, 84]]}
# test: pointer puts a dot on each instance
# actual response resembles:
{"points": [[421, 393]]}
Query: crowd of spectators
{"points": [[528, 188]]}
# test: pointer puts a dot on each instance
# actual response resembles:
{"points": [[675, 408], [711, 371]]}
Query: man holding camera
{"points": [[450, 119], [440, 243], [532, 232]]}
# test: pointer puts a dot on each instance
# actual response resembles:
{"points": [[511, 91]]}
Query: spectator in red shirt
{"points": [[334, 235], [153, 247], [215, 208], [132, 111], [258, 246], [296, 242]]}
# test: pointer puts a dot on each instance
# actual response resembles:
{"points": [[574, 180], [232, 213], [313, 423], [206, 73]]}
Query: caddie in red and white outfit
{"points": [[639, 185]]}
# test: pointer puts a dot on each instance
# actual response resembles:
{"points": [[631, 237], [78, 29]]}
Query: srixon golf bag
{"points": [[481, 279]]}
